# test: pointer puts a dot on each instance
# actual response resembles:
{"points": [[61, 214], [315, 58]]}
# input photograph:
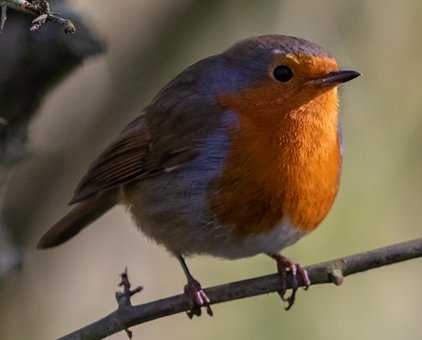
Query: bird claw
{"points": [[198, 299], [289, 299], [285, 266]]}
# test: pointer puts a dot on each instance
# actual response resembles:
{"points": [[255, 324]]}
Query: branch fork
{"points": [[123, 298]]}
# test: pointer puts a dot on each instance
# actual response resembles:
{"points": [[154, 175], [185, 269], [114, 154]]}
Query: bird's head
{"points": [[277, 73]]}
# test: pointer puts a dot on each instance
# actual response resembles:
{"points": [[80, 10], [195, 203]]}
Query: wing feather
{"points": [[122, 162], [163, 139]]}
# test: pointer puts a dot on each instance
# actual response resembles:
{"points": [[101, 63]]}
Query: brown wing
{"points": [[164, 139], [132, 156], [121, 162]]}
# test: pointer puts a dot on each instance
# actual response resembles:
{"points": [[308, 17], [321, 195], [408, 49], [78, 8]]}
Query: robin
{"points": [[239, 155]]}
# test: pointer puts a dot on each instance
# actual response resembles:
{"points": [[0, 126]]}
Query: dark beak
{"points": [[335, 78]]}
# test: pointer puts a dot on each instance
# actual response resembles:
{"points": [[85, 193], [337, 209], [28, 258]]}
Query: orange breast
{"points": [[279, 165]]}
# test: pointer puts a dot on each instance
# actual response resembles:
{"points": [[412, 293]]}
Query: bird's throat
{"points": [[288, 167]]}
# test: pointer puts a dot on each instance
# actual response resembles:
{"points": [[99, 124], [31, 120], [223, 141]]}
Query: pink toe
{"points": [[205, 297], [306, 277], [199, 299], [294, 269]]}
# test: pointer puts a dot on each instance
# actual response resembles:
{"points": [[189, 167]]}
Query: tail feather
{"points": [[77, 219]]}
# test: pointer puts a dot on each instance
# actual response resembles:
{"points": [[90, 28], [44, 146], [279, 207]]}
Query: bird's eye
{"points": [[283, 73]]}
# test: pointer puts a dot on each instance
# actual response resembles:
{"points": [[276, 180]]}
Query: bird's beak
{"points": [[335, 78]]}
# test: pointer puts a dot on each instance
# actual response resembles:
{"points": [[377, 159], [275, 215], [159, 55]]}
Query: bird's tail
{"points": [[78, 218]]}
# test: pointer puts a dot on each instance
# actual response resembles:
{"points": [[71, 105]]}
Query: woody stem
{"points": [[28, 7], [327, 272]]}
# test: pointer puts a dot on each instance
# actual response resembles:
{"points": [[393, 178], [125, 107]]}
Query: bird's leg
{"points": [[285, 266], [194, 291]]}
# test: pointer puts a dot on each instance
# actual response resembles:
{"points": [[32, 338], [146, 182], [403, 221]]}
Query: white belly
{"points": [[280, 237], [211, 238]]}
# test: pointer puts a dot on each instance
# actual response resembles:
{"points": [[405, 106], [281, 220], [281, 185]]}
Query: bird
{"points": [[239, 155]]}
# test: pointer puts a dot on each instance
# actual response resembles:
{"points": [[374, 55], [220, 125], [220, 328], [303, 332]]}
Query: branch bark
{"points": [[40, 9], [326, 272]]}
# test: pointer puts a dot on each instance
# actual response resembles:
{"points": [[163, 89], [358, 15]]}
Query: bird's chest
{"points": [[268, 179]]}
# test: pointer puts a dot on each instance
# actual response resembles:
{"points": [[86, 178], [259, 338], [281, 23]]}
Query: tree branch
{"points": [[31, 65], [38, 8], [326, 272]]}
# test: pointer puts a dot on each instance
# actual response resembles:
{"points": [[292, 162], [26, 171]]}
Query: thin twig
{"points": [[326, 272], [38, 8], [3, 18]]}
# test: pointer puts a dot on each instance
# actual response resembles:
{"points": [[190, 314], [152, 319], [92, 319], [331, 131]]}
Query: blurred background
{"points": [[71, 117]]}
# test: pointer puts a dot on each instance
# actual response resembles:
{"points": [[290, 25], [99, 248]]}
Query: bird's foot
{"points": [[286, 266], [198, 298]]}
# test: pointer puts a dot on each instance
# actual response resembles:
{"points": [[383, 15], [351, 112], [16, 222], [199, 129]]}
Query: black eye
{"points": [[283, 73]]}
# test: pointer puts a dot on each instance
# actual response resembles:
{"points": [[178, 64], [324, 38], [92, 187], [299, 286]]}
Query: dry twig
{"points": [[327, 272], [38, 8]]}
